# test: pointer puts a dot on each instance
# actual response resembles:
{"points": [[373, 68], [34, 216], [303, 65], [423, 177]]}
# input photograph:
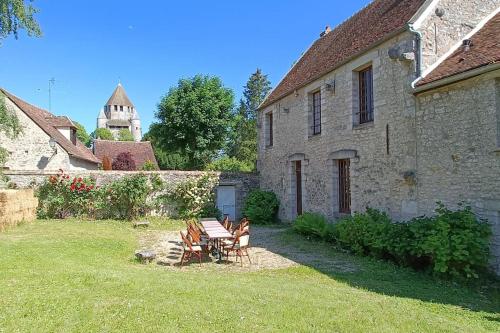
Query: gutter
{"points": [[457, 77], [418, 63]]}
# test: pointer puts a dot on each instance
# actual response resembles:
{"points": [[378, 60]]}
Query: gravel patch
{"points": [[266, 251]]}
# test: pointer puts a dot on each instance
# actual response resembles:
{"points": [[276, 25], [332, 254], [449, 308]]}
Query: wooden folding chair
{"points": [[239, 246], [189, 249]]}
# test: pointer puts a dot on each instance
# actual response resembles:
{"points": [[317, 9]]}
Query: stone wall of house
{"points": [[458, 150], [457, 20], [243, 182], [380, 152], [31, 150]]}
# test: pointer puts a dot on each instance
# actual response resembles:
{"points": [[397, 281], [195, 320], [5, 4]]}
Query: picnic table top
{"points": [[215, 230]]}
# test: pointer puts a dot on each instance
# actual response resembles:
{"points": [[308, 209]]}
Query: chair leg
{"points": [[182, 258], [246, 252]]}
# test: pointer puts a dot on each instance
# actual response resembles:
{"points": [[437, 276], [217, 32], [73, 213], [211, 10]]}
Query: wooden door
{"points": [[298, 186], [344, 187]]}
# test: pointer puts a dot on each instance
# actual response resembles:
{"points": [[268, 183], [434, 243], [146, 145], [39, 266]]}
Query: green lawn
{"points": [[65, 276]]}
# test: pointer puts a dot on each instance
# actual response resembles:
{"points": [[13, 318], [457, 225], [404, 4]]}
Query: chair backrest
{"points": [[244, 239], [195, 235], [186, 241]]}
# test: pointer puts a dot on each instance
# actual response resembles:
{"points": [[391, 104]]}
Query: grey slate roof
{"points": [[119, 97]]}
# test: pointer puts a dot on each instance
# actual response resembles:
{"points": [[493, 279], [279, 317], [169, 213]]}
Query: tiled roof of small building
{"points": [[48, 123], [60, 121], [485, 50], [141, 151], [119, 97], [377, 21]]}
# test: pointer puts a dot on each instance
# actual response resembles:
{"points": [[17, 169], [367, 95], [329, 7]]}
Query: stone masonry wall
{"points": [[243, 182], [458, 150], [31, 150], [377, 177], [458, 19]]}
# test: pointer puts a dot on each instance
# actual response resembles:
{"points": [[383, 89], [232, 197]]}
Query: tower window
{"points": [[121, 107], [116, 107]]}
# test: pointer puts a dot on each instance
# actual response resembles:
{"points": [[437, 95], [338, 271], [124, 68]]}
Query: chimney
{"points": [[326, 31], [467, 43]]}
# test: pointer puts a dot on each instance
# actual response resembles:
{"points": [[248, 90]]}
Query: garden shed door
{"points": [[226, 201]]}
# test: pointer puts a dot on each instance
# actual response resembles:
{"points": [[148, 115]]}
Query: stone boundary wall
{"points": [[243, 182], [17, 206]]}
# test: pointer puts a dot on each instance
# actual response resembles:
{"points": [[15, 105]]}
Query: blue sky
{"points": [[88, 46]]}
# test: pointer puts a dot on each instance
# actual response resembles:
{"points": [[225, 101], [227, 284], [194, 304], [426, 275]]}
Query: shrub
{"points": [[210, 210], [125, 135], [127, 197], [261, 207], [193, 195], [456, 242], [148, 166], [451, 243], [106, 163], [312, 224], [103, 134], [230, 164], [61, 196], [365, 233], [124, 161]]}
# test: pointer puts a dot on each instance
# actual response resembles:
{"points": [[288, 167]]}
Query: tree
{"points": [[106, 164], [14, 16], [125, 135], [193, 119], [103, 134], [18, 15], [82, 135], [167, 159], [243, 142], [124, 161]]}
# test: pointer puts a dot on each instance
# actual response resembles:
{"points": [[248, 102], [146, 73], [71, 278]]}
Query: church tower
{"points": [[119, 113]]}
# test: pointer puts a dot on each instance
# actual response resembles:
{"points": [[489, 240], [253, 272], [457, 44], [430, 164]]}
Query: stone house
{"points": [[47, 142], [396, 108]]}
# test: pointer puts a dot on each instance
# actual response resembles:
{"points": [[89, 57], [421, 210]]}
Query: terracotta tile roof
{"points": [[119, 97], [60, 121], [47, 122], [141, 151], [377, 21], [485, 50]]}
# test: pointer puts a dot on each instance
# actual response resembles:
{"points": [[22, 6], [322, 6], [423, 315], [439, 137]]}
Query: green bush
{"points": [[261, 207], [230, 164], [451, 243], [312, 224], [62, 196]]}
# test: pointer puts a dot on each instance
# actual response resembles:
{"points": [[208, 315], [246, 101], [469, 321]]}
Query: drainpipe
{"points": [[418, 65], [418, 58]]}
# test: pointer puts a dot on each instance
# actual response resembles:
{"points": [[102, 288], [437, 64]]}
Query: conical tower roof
{"points": [[119, 97]]}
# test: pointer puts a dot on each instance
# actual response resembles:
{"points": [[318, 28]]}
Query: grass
{"points": [[65, 276]]}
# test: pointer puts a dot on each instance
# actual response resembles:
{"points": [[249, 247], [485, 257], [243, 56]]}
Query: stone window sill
{"points": [[363, 126], [314, 136]]}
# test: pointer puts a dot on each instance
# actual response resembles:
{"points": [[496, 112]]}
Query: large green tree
{"points": [[125, 135], [103, 134], [243, 142], [168, 159], [82, 135], [18, 15], [194, 119]]}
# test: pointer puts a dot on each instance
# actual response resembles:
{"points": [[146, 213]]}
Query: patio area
{"points": [[266, 251]]}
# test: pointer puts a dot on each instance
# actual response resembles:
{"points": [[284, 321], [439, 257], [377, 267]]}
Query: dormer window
{"points": [[73, 136]]}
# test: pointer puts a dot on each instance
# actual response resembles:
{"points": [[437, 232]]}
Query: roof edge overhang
{"points": [[456, 78], [384, 39]]}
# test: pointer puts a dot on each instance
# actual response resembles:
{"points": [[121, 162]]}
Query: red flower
{"points": [[80, 179], [72, 187]]}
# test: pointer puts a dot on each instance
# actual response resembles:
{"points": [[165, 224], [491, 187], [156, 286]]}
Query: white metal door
{"points": [[226, 201]]}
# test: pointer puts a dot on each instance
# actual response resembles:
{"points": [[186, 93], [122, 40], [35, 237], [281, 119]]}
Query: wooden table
{"points": [[215, 232]]}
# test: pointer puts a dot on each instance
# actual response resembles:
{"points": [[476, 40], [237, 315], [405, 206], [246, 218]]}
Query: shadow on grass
{"points": [[383, 277]]}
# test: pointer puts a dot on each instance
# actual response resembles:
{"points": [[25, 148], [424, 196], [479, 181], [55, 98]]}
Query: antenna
{"points": [[52, 81]]}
